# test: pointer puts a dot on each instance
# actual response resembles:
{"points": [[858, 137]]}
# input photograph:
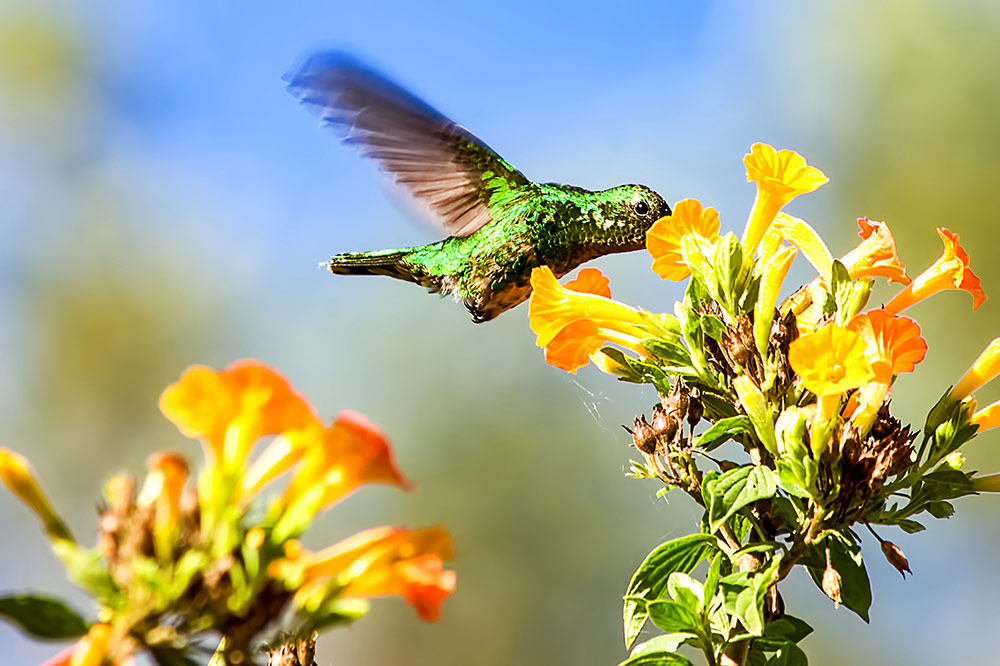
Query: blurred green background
{"points": [[164, 202]]}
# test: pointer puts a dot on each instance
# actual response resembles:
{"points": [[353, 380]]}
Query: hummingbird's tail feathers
{"points": [[392, 263]]}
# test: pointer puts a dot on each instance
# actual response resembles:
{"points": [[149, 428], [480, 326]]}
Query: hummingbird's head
{"points": [[634, 209]]}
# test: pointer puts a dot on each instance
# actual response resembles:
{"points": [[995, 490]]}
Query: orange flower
{"points": [[875, 255], [573, 321], [664, 238], [16, 475], [987, 417], [338, 459], [893, 346], [376, 562], [950, 271], [231, 409], [780, 175], [422, 581], [986, 367], [830, 361], [892, 342]]}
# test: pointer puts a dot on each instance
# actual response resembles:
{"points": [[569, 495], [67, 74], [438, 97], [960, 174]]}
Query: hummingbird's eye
{"points": [[641, 207]]}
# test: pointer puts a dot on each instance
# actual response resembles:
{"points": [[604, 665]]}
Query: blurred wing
{"points": [[439, 162]]}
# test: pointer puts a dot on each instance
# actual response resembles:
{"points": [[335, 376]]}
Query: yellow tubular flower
{"points": [[773, 273], [664, 238], [875, 255], [573, 321], [231, 409], [780, 175], [16, 475], [986, 367], [92, 648], [801, 235], [950, 271]]}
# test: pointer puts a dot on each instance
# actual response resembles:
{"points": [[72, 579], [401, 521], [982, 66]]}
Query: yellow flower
{"points": [[987, 417], [830, 361], [986, 367], [229, 410], [801, 235], [664, 238], [16, 475], [780, 175], [950, 271], [773, 272], [162, 489], [875, 255]]}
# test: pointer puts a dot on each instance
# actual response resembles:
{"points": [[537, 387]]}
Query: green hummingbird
{"points": [[500, 224]]}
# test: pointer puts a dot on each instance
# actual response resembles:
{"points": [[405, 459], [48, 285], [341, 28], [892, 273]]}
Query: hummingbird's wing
{"points": [[440, 162]]}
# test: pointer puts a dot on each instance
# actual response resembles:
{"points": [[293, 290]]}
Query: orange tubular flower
{"points": [[986, 367], [573, 321], [875, 255], [987, 417], [231, 409], [780, 175], [893, 346], [664, 238], [892, 343], [950, 271], [376, 562], [91, 650], [351, 452]]}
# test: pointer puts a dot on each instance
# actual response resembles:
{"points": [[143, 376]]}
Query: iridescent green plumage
{"points": [[502, 225]]}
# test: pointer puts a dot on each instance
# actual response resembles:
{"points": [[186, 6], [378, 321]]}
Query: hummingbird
{"points": [[500, 224]]}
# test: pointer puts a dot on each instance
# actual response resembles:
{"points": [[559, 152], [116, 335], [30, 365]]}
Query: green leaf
{"points": [[686, 591], [671, 352], [657, 659], [946, 483], [661, 643], [728, 493], [940, 509], [750, 602], [845, 558], [42, 617], [722, 431], [910, 526], [786, 653], [712, 581], [636, 371], [672, 616], [650, 580], [787, 628]]}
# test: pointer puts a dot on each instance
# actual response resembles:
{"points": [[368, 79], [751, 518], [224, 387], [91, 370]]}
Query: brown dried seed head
{"points": [[664, 424], [695, 409], [831, 582], [643, 436], [896, 558]]}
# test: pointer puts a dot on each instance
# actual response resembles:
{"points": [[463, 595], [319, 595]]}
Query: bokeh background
{"points": [[164, 202]]}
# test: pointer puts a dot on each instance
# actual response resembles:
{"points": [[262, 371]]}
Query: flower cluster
{"points": [[802, 384], [174, 560]]}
